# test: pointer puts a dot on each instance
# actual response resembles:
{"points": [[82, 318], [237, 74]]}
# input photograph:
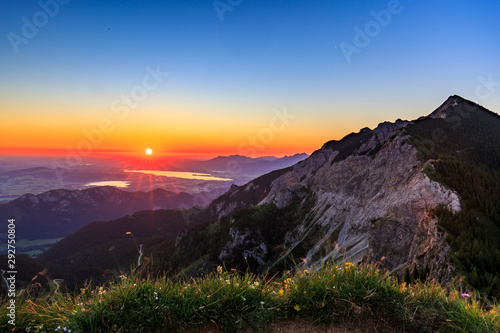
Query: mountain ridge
{"points": [[57, 213], [377, 195]]}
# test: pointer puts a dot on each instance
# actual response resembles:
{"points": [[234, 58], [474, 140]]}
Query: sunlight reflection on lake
{"points": [[181, 174], [115, 183]]}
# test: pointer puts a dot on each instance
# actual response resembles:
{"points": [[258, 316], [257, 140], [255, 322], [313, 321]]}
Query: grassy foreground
{"points": [[238, 301]]}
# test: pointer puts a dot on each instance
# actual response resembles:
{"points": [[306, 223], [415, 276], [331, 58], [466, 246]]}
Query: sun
{"points": [[149, 151]]}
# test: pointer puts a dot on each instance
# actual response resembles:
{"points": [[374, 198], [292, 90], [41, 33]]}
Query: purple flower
{"points": [[465, 295]]}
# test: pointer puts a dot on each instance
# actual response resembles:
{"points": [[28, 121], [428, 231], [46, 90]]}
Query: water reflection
{"points": [[181, 174], [115, 183]]}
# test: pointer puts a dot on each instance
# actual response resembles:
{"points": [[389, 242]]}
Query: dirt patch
{"points": [[211, 328], [358, 325]]}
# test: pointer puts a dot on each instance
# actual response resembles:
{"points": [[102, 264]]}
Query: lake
{"points": [[181, 174], [115, 183]]}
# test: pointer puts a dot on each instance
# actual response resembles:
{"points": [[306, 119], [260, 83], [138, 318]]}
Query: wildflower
{"points": [[297, 307], [288, 283], [219, 269], [306, 271], [465, 295], [281, 292], [261, 302]]}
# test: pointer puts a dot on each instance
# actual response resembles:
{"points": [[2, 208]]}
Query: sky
{"points": [[233, 76]]}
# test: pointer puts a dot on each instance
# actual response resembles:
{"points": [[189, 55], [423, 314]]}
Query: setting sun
{"points": [[149, 151]]}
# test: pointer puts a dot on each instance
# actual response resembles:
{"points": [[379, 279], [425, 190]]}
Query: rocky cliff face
{"points": [[374, 207], [372, 201]]}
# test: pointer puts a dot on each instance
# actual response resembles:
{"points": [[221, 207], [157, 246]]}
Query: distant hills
{"points": [[36, 180], [242, 165], [58, 213]]}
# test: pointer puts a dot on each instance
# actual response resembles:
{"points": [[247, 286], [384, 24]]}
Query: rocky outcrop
{"points": [[246, 195], [246, 244], [374, 206]]}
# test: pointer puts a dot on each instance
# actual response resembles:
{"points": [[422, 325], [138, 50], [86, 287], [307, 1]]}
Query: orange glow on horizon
{"points": [[189, 151]]}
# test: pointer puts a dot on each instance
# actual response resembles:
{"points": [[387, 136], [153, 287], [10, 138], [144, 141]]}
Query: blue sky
{"points": [[233, 72]]}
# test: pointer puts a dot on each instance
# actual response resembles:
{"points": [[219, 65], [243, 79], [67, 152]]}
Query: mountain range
{"points": [[421, 198], [58, 213], [247, 165]]}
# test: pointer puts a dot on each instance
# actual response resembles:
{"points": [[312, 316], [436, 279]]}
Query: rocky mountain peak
{"points": [[441, 111]]}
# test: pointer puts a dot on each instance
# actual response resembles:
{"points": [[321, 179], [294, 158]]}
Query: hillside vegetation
{"points": [[236, 301], [464, 149]]}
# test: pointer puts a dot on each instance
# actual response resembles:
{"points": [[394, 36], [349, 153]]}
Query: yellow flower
{"points": [[297, 308], [219, 269], [281, 292], [306, 271], [288, 283]]}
